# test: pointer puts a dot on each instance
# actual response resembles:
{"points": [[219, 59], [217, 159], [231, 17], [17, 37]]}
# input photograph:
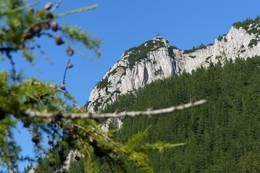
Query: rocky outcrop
{"points": [[157, 59], [138, 67]]}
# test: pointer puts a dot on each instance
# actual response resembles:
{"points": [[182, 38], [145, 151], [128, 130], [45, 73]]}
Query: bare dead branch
{"points": [[10, 58], [149, 113], [57, 5], [65, 72], [7, 49]]}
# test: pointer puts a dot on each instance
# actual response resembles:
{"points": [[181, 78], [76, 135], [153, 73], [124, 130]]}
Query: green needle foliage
{"points": [[77, 34], [22, 24]]}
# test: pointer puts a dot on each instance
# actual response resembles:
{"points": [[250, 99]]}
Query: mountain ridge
{"points": [[157, 59]]}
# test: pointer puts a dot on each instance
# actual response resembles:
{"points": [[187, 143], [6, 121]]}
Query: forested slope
{"points": [[222, 136]]}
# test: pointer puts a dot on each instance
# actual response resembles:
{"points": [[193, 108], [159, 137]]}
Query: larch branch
{"points": [[156, 112]]}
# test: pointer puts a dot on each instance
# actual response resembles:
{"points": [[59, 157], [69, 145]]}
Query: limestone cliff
{"points": [[157, 59]]}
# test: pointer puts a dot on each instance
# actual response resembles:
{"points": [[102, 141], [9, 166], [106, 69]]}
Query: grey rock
{"points": [[165, 61]]}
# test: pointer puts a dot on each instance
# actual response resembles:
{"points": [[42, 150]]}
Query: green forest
{"points": [[221, 136]]}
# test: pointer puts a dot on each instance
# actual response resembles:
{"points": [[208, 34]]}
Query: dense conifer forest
{"points": [[222, 136]]}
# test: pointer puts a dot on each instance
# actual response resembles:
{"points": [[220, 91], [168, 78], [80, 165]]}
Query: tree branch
{"points": [[57, 5], [7, 49], [148, 113], [65, 72], [10, 58]]}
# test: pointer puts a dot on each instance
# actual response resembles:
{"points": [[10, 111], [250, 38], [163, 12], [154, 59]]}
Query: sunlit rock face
{"points": [[157, 59], [236, 44], [136, 68]]}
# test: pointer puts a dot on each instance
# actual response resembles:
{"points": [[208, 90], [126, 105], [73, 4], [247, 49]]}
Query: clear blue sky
{"points": [[123, 24]]}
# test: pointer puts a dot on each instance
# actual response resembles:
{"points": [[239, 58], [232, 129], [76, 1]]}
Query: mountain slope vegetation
{"points": [[221, 137]]}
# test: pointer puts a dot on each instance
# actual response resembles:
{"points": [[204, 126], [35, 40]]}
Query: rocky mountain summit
{"points": [[157, 59]]}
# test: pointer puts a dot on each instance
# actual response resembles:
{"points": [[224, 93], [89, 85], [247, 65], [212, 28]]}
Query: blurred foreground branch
{"points": [[48, 115]]}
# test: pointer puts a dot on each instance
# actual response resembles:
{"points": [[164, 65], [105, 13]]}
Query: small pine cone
{"points": [[37, 28], [70, 65], [49, 16], [62, 87], [48, 6], [28, 35], [54, 26], [70, 51], [36, 139], [46, 25], [59, 40]]}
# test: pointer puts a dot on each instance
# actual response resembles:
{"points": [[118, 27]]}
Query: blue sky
{"points": [[123, 24]]}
